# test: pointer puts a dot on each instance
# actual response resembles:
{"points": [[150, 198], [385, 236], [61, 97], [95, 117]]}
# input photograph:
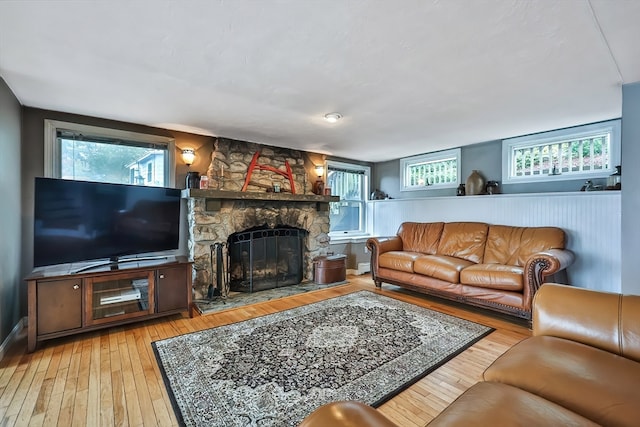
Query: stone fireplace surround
{"points": [[214, 214]]}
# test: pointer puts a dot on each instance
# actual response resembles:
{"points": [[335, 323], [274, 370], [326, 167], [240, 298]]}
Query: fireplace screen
{"points": [[265, 258]]}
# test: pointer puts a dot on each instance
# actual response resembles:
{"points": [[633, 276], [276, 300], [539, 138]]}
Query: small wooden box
{"points": [[330, 269]]}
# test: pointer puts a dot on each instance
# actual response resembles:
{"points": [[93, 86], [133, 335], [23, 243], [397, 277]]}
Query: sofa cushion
{"points": [[346, 414], [464, 240], [420, 237], [441, 267], [594, 383], [493, 404], [494, 298], [493, 276], [398, 260], [514, 245]]}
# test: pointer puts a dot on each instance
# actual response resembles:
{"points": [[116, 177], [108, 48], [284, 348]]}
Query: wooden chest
{"points": [[330, 269]]}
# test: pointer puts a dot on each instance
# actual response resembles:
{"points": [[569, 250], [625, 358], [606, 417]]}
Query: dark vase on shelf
{"points": [[614, 181], [492, 187], [193, 179]]}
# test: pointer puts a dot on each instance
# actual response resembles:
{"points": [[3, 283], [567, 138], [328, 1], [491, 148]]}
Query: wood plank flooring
{"points": [[110, 377]]}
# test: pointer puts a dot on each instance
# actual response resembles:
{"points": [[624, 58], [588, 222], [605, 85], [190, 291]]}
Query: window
{"points": [[351, 183], [590, 151], [90, 153], [434, 170]]}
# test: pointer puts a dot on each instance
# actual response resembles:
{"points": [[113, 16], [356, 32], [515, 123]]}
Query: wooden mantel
{"points": [[213, 198]]}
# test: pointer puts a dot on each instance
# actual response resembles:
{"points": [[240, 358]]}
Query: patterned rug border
{"points": [[432, 368], [178, 412]]}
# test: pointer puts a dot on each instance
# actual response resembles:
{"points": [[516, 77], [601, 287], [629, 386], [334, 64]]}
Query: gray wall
{"points": [[10, 191], [485, 157], [355, 252], [630, 190]]}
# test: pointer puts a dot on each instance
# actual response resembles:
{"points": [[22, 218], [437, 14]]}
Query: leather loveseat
{"points": [[497, 267], [581, 367]]}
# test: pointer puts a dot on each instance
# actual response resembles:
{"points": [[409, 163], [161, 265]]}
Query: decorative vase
{"points": [[614, 182], [475, 183], [193, 179], [492, 187]]}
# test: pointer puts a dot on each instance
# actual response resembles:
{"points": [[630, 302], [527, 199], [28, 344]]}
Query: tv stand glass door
{"points": [[118, 296]]}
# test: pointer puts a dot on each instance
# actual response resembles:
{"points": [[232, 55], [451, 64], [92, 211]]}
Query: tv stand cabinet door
{"points": [[173, 288], [59, 305]]}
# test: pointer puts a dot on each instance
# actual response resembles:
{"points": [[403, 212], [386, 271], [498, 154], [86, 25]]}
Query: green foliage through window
{"points": [[578, 155], [108, 162], [351, 183], [434, 170], [431, 173], [579, 152]]}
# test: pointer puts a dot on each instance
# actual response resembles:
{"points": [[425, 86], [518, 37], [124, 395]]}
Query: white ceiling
{"points": [[409, 76]]}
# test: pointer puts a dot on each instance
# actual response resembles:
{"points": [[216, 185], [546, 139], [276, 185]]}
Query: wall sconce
{"points": [[188, 156], [318, 186]]}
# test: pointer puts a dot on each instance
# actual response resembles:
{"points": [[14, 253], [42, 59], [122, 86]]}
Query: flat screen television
{"points": [[78, 221]]}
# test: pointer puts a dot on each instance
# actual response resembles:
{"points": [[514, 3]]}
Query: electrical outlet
{"points": [[366, 250]]}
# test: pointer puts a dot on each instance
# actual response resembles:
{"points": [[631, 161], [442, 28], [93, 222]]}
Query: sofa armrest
{"points": [[541, 265], [346, 414], [379, 245], [591, 317]]}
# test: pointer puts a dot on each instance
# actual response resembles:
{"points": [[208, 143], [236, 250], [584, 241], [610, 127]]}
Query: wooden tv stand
{"points": [[61, 302]]}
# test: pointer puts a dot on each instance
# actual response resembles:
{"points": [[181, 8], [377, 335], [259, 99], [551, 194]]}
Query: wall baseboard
{"points": [[364, 267], [13, 336]]}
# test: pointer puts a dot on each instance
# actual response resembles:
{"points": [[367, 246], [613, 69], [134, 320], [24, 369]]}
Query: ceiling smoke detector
{"points": [[332, 117]]}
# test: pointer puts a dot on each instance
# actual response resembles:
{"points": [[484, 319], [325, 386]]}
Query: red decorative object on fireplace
{"points": [[254, 165]]}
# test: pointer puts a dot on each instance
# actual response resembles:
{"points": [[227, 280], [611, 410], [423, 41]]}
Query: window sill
{"points": [[356, 238]]}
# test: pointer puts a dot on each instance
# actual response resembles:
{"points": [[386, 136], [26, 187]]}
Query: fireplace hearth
{"points": [[265, 258]]}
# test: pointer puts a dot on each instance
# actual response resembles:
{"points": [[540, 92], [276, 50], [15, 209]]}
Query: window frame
{"points": [[52, 166], [363, 203], [613, 127], [407, 162]]}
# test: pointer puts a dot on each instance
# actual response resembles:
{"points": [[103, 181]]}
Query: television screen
{"points": [[82, 221]]}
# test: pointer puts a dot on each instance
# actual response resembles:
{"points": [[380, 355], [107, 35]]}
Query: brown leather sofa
{"points": [[497, 267], [581, 367]]}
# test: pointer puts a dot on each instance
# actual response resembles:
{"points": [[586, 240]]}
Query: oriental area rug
{"points": [[276, 369]]}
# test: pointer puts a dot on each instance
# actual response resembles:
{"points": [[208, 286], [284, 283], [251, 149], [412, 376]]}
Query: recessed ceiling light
{"points": [[332, 117]]}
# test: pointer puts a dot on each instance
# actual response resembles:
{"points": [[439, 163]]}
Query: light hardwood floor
{"points": [[110, 377]]}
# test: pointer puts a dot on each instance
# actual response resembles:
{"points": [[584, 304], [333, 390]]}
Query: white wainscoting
{"points": [[592, 221]]}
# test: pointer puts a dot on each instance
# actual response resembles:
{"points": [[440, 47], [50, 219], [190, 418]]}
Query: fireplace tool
{"points": [[221, 288]]}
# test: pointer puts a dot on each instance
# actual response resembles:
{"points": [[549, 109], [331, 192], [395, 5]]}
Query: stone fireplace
{"points": [[215, 215]]}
